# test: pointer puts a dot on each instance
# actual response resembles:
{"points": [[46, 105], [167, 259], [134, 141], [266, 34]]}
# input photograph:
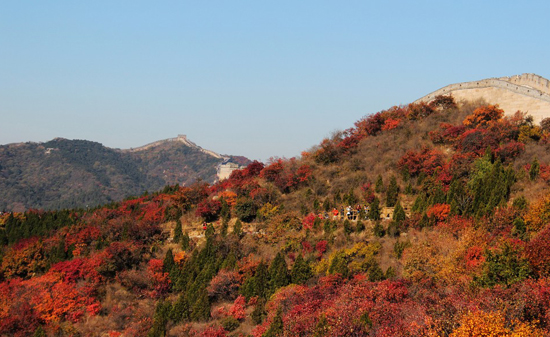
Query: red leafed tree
{"points": [[272, 171], [308, 221], [439, 211], [209, 209], [303, 173], [161, 281], [419, 110], [321, 247], [424, 161], [483, 116], [510, 150], [237, 310], [391, 124], [369, 126], [474, 257], [538, 252], [225, 285]]}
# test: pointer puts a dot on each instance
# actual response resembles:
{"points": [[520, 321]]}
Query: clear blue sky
{"points": [[253, 78]]}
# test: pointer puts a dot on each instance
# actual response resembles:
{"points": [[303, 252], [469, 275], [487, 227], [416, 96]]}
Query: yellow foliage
{"points": [[538, 214], [359, 258], [268, 211], [489, 324], [529, 133], [322, 267], [440, 256], [493, 324]]}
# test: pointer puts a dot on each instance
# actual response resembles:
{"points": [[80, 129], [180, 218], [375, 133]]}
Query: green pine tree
{"points": [[359, 227], [374, 210], [276, 328], [339, 265], [399, 213], [39, 332], [378, 230], [347, 227], [180, 309], [392, 192], [535, 169], [178, 231], [168, 262], [301, 271], [201, 309], [238, 228], [379, 185], [259, 313], [185, 242], [278, 273]]}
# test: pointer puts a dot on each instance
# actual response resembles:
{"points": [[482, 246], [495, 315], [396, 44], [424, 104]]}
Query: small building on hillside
{"points": [[225, 169]]}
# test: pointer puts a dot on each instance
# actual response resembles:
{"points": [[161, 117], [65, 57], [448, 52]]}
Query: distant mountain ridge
{"points": [[64, 173]]}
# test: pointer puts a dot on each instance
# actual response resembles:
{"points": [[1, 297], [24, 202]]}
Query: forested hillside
{"points": [[66, 173], [420, 220]]}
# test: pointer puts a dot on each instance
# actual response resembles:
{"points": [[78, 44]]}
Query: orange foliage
{"points": [[484, 116], [24, 258], [439, 211], [229, 197], [492, 324], [538, 214], [391, 124]]}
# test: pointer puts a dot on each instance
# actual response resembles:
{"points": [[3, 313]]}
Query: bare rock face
{"points": [[528, 93]]}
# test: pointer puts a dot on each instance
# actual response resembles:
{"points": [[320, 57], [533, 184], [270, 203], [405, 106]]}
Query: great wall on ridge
{"points": [[528, 93]]}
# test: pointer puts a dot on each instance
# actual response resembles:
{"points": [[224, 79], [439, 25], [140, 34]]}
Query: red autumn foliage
{"points": [[306, 247], [272, 171], [237, 310], [209, 209], [538, 252], [474, 257], [321, 247], [419, 110], [509, 151], [224, 285], [476, 141], [440, 212], [304, 173], [391, 124], [425, 161], [161, 281], [308, 221], [484, 116]]}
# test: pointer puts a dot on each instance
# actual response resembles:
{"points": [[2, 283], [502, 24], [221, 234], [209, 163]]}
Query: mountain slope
{"points": [[66, 173], [450, 239]]}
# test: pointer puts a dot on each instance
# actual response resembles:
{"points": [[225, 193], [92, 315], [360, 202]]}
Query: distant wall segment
{"points": [[529, 93]]}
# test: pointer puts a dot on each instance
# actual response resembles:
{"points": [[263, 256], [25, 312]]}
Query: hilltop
{"points": [[447, 235], [64, 173]]}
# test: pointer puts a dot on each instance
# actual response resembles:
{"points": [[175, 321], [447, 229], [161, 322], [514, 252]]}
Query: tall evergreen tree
{"points": [[392, 192], [535, 169], [379, 185], [399, 213], [185, 241], [161, 317], [276, 328], [301, 272], [278, 273], [178, 231], [201, 309], [374, 210], [180, 309], [168, 262]]}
